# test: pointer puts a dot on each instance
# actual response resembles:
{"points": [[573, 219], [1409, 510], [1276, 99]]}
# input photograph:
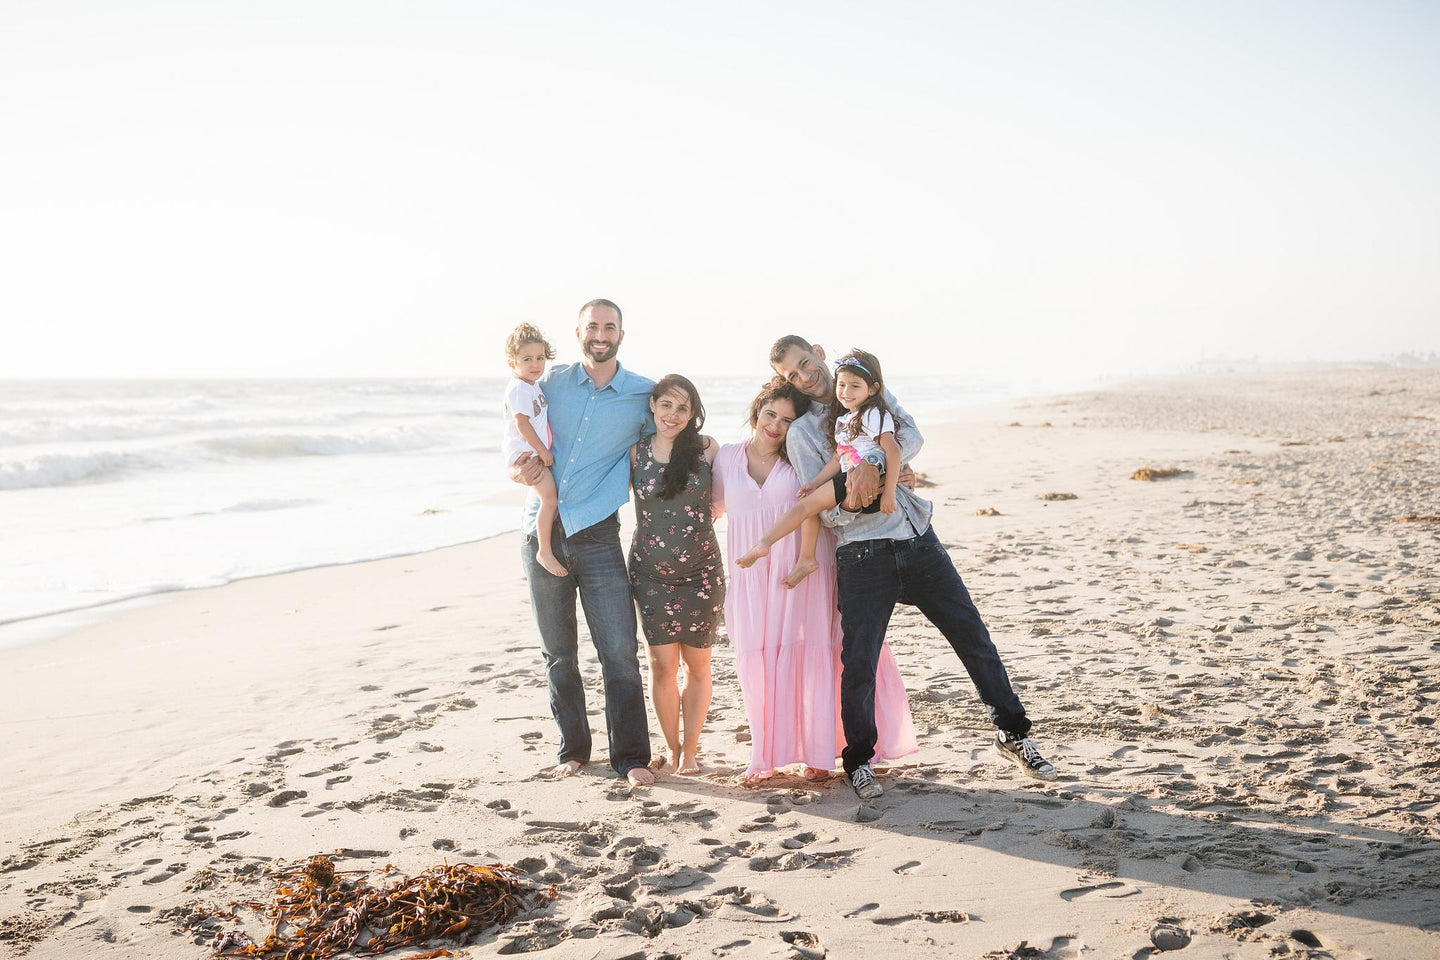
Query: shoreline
{"points": [[1233, 669]]}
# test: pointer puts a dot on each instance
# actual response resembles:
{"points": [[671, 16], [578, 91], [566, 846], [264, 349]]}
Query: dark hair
{"points": [[866, 366], [778, 388], [689, 447], [602, 302], [523, 334], [780, 347]]}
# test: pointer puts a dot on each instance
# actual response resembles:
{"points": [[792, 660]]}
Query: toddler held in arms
{"points": [[527, 428], [863, 430]]}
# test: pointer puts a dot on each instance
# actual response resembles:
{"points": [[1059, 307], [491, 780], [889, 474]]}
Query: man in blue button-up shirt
{"points": [[598, 409], [884, 559]]}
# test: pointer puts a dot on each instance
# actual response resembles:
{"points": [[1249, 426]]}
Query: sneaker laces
{"points": [[861, 777], [1028, 750]]}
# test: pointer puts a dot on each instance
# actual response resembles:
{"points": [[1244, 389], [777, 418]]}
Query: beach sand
{"points": [[1234, 669]]}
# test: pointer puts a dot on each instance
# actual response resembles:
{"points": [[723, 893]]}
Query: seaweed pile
{"points": [[317, 912], [1158, 473]]}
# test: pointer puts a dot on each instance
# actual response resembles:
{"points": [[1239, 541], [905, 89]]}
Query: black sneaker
{"points": [[1023, 753], [864, 782]]}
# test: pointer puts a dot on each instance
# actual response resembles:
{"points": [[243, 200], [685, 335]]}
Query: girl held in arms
{"points": [[863, 430]]}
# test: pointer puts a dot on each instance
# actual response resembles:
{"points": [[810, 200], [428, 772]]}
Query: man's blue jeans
{"points": [[874, 575], [597, 572]]}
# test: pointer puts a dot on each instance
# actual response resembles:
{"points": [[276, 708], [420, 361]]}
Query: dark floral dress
{"points": [[675, 565]]}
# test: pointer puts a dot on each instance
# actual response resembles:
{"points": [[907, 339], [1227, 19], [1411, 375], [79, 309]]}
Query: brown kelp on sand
{"points": [[1150, 473], [317, 912]]}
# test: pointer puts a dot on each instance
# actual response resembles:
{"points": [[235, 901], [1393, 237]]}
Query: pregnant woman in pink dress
{"points": [[787, 642]]}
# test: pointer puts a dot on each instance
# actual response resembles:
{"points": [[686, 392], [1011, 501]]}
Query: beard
{"points": [[596, 353]]}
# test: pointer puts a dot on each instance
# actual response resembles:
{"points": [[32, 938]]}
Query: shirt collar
{"points": [[620, 374]]}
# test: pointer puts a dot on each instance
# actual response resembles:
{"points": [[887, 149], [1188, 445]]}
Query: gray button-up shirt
{"points": [[809, 450]]}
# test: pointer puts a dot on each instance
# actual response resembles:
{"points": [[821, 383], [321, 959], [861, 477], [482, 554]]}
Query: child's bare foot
{"points": [[688, 764], [663, 764], [812, 774], [640, 776], [756, 552], [802, 569], [754, 779], [567, 769], [548, 561]]}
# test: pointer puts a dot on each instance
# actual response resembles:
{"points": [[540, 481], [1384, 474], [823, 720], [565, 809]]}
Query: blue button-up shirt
{"points": [[592, 432]]}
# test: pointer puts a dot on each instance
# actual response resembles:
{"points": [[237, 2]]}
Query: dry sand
{"points": [[1234, 669]]}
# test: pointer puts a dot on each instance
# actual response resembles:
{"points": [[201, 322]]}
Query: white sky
{"points": [[348, 188]]}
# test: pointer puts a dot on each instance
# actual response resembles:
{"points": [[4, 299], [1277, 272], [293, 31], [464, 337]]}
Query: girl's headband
{"points": [[852, 362]]}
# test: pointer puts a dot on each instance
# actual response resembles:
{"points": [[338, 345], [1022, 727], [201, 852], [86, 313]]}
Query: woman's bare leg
{"points": [[665, 695], [694, 703]]}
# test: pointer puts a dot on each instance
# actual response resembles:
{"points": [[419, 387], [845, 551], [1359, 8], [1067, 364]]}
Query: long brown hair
{"points": [[866, 366], [778, 388], [689, 447]]}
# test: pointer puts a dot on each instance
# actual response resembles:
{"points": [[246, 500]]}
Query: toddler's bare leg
{"points": [[805, 563], [545, 522], [789, 522]]}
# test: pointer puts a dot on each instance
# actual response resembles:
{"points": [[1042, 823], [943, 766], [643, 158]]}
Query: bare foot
{"points": [[810, 773], [758, 551], [688, 764], [754, 779], [663, 764], [548, 561], [802, 569], [567, 769], [640, 776]]}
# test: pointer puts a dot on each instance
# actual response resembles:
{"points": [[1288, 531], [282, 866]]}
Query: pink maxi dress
{"points": [[787, 642]]}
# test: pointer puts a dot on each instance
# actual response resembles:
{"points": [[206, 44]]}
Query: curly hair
{"points": [[777, 388], [689, 445], [866, 366], [523, 334]]}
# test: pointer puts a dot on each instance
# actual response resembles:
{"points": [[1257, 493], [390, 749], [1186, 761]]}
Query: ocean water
{"points": [[111, 490]]}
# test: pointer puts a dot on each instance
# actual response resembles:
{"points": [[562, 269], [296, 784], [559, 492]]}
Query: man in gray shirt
{"points": [[884, 559]]}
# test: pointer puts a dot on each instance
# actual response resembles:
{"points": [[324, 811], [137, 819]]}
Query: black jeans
{"points": [[597, 572], [873, 576]]}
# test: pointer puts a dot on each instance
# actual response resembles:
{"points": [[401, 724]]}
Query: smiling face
{"points": [[806, 372], [599, 334], [673, 410], [852, 390], [771, 424], [528, 363]]}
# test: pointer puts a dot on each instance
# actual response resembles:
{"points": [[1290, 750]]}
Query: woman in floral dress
{"points": [[675, 565]]}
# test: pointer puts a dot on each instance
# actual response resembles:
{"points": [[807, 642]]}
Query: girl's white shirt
{"points": [[529, 399], [866, 443]]}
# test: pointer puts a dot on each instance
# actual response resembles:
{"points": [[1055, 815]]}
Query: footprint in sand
{"points": [[929, 916], [169, 871], [1114, 889], [324, 770], [910, 867], [285, 796]]}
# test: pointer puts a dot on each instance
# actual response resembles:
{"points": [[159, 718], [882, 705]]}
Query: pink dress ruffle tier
{"points": [[787, 642]]}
